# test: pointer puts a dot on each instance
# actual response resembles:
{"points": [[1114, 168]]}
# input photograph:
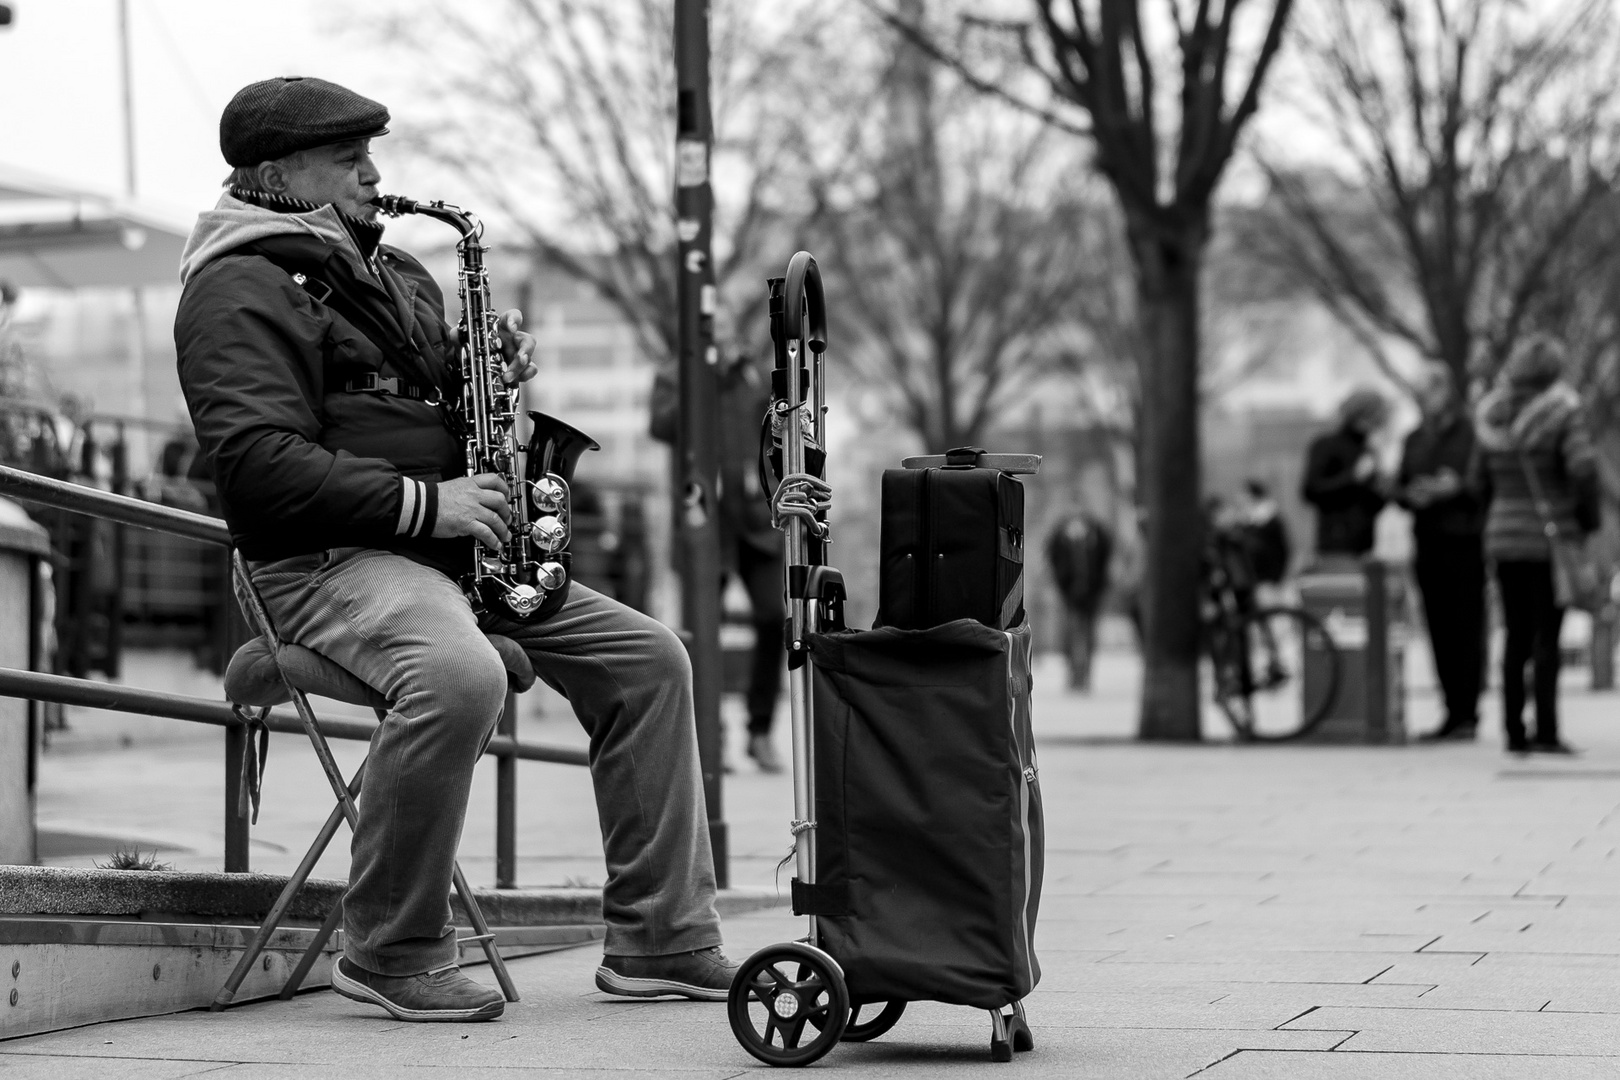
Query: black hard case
{"points": [[930, 839], [951, 546]]}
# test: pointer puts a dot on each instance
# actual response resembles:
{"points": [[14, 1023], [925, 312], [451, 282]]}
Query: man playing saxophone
{"points": [[315, 361]]}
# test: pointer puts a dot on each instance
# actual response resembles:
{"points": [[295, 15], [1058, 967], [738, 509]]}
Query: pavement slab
{"points": [[1342, 1065], [1253, 913]]}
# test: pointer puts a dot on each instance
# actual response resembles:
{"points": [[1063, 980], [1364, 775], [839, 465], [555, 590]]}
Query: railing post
{"points": [[236, 825], [506, 802]]}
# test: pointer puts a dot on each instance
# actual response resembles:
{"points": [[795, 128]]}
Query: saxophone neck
{"points": [[462, 221]]}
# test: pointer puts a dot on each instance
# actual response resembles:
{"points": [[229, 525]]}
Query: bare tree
{"points": [[1480, 138], [572, 140], [956, 238], [1164, 99]]}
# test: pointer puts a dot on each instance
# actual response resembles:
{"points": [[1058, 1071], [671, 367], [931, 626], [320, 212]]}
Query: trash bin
{"points": [[1370, 706], [22, 545]]}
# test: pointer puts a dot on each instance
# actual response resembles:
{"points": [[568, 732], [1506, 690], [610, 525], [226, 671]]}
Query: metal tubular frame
{"points": [[804, 332]]}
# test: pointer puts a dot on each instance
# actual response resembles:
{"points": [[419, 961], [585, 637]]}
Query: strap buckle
{"points": [[371, 381]]}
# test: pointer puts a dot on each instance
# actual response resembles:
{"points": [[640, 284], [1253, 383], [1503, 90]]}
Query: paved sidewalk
{"points": [[1229, 912]]}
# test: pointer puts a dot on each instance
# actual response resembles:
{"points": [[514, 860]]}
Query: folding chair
{"points": [[266, 672]]}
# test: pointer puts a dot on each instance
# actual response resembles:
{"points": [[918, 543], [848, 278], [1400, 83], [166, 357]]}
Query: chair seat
{"points": [[254, 675]]}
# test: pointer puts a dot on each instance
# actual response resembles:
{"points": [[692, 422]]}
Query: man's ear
{"points": [[272, 177]]}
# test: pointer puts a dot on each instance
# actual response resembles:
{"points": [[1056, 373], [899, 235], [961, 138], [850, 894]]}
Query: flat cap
{"points": [[277, 117]]}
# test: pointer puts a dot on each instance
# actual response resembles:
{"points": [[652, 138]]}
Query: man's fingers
{"points": [[483, 534], [495, 522], [489, 481], [512, 321], [494, 502]]}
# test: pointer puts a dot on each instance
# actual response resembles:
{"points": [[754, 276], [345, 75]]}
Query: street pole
{"points": [[137, 331], [696, 444], [137, 342]]}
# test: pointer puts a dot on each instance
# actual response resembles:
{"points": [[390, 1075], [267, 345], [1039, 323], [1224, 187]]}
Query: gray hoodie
{"points": [[232, 223]]}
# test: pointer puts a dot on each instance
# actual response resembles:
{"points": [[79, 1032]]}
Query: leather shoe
{"points": [[763, 752], [704, 975], [1451, 733], [1553, 748], [443, 995]]}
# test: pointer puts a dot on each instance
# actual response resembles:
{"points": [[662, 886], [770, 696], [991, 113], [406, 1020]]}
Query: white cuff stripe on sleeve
{"points": [[411, 507]]}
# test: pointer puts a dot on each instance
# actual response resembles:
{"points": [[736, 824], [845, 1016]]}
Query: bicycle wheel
{"points": [[1276, 674]]}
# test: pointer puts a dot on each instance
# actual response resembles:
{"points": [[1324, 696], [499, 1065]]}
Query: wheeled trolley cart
{"points": [[917, 831]]}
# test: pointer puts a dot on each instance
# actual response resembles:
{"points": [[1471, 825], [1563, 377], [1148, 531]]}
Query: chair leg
{"points": [[483, 935], [272, 920], [301, 971]]}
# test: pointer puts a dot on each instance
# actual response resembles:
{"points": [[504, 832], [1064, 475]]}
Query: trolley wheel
{"points": [[865, 1031], [779, 992], [883, 1016]]}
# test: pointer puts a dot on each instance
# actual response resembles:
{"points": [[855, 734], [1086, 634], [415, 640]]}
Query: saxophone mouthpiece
{"points": [[394, 205]]}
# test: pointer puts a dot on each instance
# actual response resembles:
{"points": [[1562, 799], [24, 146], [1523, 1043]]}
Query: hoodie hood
{"points": [[1508, 421], [233, 222]]}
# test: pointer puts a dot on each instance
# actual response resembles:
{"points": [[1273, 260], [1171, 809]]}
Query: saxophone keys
{"points": [[548, 494], [549, 534], [524, 599], [552, 576]]}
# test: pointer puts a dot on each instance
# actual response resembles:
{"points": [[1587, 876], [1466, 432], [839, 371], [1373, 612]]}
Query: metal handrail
{"points": [[61, 495], [505, 747], [66, 690]]}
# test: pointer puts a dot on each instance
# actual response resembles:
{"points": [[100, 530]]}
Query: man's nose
{"points": [[368, 172]]}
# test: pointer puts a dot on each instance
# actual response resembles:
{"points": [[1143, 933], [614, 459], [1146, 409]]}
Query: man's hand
{"points": [[518, 349], [474, 506], [1366, 467]]}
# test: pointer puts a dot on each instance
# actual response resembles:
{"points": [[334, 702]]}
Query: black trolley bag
{"points": [[918, 843], [928, 807]]}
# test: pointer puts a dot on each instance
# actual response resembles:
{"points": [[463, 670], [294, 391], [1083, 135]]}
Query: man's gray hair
{"points": [[247, 176]]}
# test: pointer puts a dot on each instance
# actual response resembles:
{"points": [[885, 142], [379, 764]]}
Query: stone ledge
{"points": [[185, 896]]}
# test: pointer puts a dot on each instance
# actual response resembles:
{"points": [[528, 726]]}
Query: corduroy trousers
{"points": [[408, 631]]}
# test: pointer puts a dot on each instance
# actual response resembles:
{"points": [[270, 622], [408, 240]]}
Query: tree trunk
{"points": [[1167, 305]]}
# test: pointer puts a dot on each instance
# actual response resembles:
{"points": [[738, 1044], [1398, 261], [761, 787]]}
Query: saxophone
{"points": [[529, 575]]}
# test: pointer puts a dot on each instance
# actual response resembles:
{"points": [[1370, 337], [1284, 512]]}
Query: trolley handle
{"points": [[804, 279]]}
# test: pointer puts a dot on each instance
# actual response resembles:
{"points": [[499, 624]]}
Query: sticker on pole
{"points": [[691, 163]]}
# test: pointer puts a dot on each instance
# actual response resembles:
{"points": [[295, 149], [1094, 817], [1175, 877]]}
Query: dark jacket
{"points": [[744, 395], [301, 464], [1443, 443], [1546, 432], [1079, 550], [1346, 508]]}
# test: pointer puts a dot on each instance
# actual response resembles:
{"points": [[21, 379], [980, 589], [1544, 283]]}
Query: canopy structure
{"points": [[56, 236]]}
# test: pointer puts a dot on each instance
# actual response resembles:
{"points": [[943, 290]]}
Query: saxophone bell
{"points": [[556, 447]]}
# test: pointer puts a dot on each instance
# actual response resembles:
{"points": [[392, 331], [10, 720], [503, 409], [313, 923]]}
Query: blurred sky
{"points": [[60, 104]]}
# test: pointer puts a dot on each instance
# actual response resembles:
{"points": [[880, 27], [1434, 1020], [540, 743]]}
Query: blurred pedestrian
{"points": [[1079, 549], [1265, 533], [750, 548], [1447, 525], [1533, 439], [1341, 477]]}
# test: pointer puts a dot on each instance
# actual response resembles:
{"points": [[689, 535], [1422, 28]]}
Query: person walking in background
{"points": [[1341, 477], [1079, 549], [1447, 523], [1530, 426], [1265, 534], [750, 547]]}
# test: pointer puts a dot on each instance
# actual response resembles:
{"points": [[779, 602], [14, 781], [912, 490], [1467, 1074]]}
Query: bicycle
{"points": [[1259, 654]]}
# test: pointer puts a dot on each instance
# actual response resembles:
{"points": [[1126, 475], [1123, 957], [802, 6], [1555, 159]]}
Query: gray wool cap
{"points": [[277, 117]]}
